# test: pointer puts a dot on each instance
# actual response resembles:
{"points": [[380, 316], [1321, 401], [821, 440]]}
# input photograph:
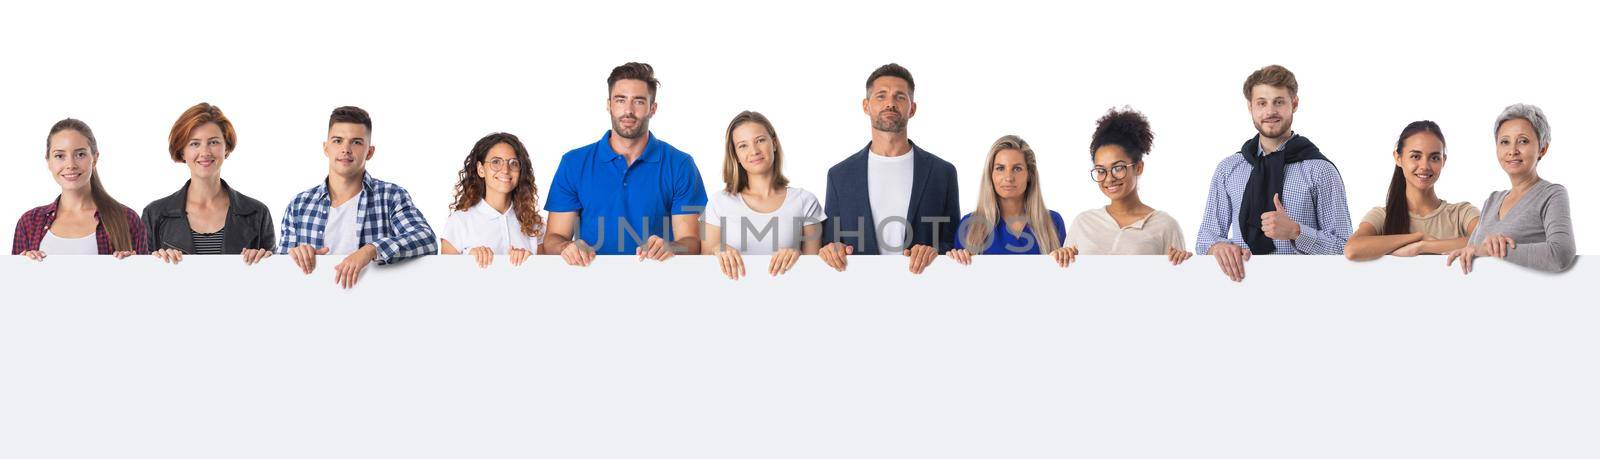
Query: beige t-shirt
{"points": [[1094, 232], [1449, 221]]}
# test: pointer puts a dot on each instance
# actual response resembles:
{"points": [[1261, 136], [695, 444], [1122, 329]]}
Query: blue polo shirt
{"points": [[622, 205], [1005, 243]]}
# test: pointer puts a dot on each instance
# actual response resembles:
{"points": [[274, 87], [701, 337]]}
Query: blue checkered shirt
{"points": [[1313, 195], [386, 217]]}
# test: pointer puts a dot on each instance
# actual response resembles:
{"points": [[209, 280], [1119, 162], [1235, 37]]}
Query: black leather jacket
{"points": [[249, 223]]}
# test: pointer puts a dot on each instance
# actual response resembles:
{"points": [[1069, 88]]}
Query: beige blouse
{"points": [[1094, 232]]}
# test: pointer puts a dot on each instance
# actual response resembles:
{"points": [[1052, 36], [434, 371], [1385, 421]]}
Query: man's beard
{"points": [[1283, 128], [639, 128], [884, 124]]}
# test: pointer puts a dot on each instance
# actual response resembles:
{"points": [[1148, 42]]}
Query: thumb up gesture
{"points": [[1277, 224]]}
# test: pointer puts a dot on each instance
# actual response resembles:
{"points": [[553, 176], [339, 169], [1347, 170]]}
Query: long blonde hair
{"points": [[980, 228]]}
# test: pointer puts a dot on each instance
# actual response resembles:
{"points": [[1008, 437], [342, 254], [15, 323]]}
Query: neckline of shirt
{"points": [[1137, 224], [483, 207], [788, 193]]}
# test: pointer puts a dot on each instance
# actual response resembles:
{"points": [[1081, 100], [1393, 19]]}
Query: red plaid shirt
{"points": [[35, 223]]}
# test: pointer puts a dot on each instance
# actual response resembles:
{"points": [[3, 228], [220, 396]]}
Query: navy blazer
{"points": [[934, 208]]}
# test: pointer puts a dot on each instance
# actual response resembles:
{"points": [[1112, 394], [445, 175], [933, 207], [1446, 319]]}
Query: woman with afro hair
{"points": [[1125, 226]]}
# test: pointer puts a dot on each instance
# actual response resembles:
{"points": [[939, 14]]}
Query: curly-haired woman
{"points": [[1126, 226], [496, 208]]}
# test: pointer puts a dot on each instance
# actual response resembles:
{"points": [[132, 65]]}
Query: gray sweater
{"points": [[1540, 223]]}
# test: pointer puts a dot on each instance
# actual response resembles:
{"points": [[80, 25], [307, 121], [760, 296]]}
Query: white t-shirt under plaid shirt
{"points": [[384, 217]]}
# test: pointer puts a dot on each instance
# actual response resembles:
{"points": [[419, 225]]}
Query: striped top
{"points": [[207, 243]]}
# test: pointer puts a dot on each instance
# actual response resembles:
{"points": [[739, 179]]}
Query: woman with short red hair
{"points": [[206, 216]]}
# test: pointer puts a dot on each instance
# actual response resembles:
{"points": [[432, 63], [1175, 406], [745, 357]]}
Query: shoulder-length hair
{"points": [[470, 187], [733, 173]]}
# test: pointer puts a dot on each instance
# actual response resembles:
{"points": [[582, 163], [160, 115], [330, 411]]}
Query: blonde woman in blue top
{"points": [[1011, 211]]}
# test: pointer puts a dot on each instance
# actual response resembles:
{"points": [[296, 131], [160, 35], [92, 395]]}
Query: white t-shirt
{"points": [[757, 233], [57, 245], [889, 193], [482, 226], [342, 236], [1094, 232]]}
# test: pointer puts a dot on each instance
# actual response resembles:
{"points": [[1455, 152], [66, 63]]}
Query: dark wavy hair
{"points": [[524, 198], [1397, 212], [1124, 128]]}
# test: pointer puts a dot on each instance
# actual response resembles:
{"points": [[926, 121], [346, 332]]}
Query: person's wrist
{"points": [[1218, 246]]}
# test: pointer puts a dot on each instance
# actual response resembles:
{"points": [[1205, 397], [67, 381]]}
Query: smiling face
{"points": [[889, 104], [205, 151], [1010, 174], [1111, 159], [1421, 159], [1517, 145], [348, 149], [753, 146], [631, 107], [1272, 110], [500, 169], [70, 159]]}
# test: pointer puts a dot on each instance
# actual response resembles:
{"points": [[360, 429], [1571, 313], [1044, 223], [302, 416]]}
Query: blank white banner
{"points": [[1009, 358]]}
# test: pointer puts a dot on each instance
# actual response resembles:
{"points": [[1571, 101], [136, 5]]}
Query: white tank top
{"points": [[56, 245]]}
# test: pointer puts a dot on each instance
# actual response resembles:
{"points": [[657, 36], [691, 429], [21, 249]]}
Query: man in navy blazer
{"points": [[891, 196]]}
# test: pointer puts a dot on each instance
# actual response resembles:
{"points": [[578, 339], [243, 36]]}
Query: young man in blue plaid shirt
{"points": [[351, 213]]}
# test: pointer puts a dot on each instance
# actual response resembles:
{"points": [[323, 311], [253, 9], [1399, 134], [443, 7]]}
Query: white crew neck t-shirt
{"points": [[889, 193], [756, 233]]}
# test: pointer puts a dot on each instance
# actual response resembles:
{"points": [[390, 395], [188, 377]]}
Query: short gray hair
{"points": [[1530, 113]]}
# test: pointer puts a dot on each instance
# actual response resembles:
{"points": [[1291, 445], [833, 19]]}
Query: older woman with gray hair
{"points": [[1531, 223]]}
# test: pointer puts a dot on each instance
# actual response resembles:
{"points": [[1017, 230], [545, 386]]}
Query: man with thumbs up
{"points": [[1278, 194]]}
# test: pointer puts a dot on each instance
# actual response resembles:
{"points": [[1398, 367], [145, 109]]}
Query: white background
{"points": [[438, 76], [1008, 358]]}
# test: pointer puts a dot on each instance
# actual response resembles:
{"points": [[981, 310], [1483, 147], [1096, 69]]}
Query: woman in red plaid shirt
{"points": [[71, 225]]}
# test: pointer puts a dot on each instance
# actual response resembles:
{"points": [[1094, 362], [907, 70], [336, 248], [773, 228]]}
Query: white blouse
{"points": [[482, 226]]}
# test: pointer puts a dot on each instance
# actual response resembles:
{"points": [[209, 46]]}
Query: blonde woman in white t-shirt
{"points": [[496, 208], [757, 212]]}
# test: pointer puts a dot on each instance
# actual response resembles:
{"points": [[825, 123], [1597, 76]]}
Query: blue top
{"points": [[1005, 243], [621, 205]]}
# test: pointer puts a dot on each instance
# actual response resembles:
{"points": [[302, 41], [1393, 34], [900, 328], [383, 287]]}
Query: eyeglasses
{"points": [[1118, 171], [498, 164]]}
